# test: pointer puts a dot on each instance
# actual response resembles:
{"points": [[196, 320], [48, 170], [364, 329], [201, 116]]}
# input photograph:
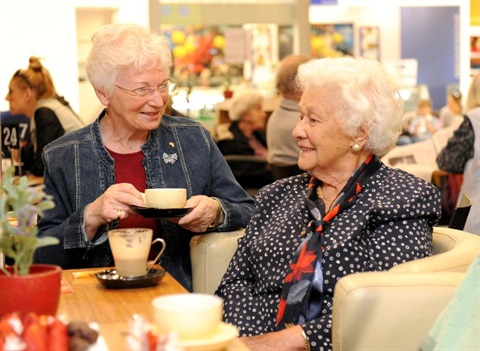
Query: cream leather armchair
{"points": [[392, 310], [210, 255]]}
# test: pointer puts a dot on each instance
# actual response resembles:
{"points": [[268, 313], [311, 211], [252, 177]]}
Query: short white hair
{"points": [[116, 46], [244, 103], [370, 97]]}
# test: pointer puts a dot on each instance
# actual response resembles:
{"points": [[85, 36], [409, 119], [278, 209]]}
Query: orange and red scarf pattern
{"points": [[302, 292]]}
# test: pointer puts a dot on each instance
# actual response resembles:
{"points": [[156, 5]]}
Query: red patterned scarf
{"points": [[302, 294]]}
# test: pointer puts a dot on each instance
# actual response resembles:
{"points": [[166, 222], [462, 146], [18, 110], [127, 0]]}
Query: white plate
{"points": [[225, 335], [100, 344]]}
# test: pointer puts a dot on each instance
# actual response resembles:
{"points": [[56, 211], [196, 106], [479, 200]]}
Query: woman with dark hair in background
{"points": [[462, 155]]}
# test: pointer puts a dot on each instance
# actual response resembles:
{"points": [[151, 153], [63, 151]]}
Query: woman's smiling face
{"points": [[324, 146], [139, 112]]}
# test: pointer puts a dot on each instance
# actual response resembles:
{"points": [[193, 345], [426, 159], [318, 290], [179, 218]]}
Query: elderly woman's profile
{"points": [[348, 213]]}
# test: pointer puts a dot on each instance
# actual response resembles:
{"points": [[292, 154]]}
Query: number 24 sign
{"points": [[13, 134]]}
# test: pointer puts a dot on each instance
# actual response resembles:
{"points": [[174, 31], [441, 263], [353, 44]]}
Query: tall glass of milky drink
{"points": [[130, 248]]}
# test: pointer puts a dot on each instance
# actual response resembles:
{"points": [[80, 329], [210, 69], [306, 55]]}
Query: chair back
{"points": [[210, 255], [460, 214]]}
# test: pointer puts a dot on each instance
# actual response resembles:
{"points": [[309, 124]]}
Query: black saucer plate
{"points": [[111, 280], [152, 212]]}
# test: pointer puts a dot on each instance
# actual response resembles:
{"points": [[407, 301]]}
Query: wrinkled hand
{"points": [[202, 216], [113, 204], [286, 339]]}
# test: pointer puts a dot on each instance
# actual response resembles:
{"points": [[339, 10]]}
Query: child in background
{"points": [[424, 124]]}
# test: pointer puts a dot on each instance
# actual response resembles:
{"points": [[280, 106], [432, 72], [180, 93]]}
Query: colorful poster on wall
{"points": [[369, 42], [331, 40], [262, 53], [235, 45], [199, 54]]}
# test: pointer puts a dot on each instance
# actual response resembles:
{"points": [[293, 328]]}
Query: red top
{"points": [[129, 169]]}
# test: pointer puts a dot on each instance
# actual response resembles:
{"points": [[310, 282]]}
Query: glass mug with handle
{"points": [[130, 248]]}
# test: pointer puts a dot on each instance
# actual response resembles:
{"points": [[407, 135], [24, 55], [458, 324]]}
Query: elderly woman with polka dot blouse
{"points": [[348, 213]]}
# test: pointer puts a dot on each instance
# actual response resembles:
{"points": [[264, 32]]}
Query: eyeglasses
{"points": [[164, 89]]}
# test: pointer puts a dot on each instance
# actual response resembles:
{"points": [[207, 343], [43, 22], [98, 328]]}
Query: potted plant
{"points": [[228, 92], [25, 287]]}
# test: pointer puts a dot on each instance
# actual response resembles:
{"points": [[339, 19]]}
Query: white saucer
{"points": [[224, 336]]}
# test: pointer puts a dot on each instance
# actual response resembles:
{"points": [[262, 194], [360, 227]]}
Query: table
{"points": [[34, 180], [83, 298]]}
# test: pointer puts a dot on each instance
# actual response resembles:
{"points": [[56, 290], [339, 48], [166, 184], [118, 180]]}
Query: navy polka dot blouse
{"points": [[390, 223]]}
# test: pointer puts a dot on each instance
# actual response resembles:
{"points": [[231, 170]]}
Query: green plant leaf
{"points": [[19, 241]]}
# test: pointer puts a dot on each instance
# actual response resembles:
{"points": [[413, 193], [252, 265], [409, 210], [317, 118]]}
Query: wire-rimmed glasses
{"points": [[166, 88]]}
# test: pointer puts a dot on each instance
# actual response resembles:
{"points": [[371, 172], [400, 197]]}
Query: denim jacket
{"points": [[179, 154]]}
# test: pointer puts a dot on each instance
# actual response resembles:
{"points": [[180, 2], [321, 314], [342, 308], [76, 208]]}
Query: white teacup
{"points": [[166, 197], [189, 316], [130, 248]]}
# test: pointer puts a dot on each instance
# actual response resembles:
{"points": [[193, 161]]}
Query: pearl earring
{"points": [[356, 147]]}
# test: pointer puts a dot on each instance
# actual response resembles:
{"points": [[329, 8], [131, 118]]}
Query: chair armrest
{"points": [[210, 255], [454, 251], [389, 311]]}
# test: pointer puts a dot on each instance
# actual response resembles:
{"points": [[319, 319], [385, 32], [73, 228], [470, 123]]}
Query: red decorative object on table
{"points": [[38, 292]]}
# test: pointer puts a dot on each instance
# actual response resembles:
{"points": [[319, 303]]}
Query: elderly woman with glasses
{"points": [[98, 173]]}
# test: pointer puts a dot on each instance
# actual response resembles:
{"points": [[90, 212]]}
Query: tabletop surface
{"points": [[84, 298]]}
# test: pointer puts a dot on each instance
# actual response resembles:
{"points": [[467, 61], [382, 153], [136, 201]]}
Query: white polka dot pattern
{"points": [[390, 223]]}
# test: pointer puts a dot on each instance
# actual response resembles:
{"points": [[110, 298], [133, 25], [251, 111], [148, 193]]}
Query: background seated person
{"points": [[424, 124], [31, 92], [405, 138], [462, 155], [451, 113], [245, 135], [282, 147], [349, 214]]}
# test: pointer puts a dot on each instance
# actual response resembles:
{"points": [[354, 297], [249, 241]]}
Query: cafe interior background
{"points": [[238, 43]]}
